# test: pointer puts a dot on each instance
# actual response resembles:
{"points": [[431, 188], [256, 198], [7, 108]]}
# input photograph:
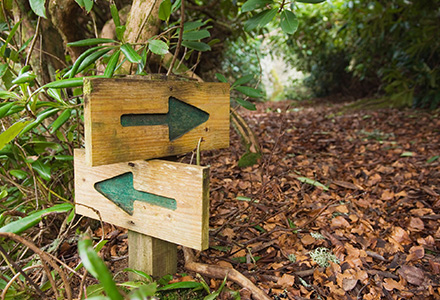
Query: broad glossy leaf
{"points": [[25, 77], [40, 117], [88, 5], [9, 38], [260, 20], [90, 42], [139, 273], [10, 133], [249, 91], [20, 174], [42, 169], [22, 224], [246, 104], [165, 10], [80, 59], [38, 7], [4, 109], [93, 263], [158, 47], [188, 26], [196, 35], [92, 58], [254, 4], [131, 54], [199, 46], [289, 22]]}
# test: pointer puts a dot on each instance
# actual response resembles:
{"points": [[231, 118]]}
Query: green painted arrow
{"points": [[181, 118], [120, 190]]}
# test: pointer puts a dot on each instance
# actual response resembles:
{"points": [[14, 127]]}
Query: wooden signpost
{"points": [[162, 203], [127, 119]]}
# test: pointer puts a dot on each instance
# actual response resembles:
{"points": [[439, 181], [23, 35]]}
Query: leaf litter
{"points": [[344, 204]]}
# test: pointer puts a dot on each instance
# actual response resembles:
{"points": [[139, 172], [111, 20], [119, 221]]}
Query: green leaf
{"points": [[91, 59], [191, 25], [260, 20], [90, 42], [312, 182], [42, 169], [4, 109], [310, 1], [22, 224], [25, 77], [249, 91], [243, 80], [93, 263], [131, 54], [221, 78], [246, 104], [254, 4], [65, 83], [144, 292], [40, 117], [248, 159], [115, 15], [242, 198], [9, 38], [8, 95], [10, 133], [120, 30], [289, 22], [433, 159], [165, 10], [38, 7], [181, 285], [112, 63], [139, 273], [158, 47], [63, 118], [80, 59], [196, 35], [20, 174], [199, 46], [407, 154], [88, 4]]}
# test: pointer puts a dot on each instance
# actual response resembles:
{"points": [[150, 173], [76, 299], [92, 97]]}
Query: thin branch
{"points": [[34, 40], [179, 42]]}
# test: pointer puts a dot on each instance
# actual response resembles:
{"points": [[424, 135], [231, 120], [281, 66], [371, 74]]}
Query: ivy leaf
{"points": [[289, 22], [254, 4], [260, 20], [38, 7], [199, 46], [165, 10], [158, 47]]}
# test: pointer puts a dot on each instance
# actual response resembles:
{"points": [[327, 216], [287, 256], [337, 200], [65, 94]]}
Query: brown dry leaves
{"points": [[380, 217]]}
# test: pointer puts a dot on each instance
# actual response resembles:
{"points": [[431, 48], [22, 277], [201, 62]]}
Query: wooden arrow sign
{"points": [[161, 199], [129, 119]]}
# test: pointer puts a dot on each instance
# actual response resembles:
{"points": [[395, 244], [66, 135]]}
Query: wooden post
{"points": [[150, 255]]}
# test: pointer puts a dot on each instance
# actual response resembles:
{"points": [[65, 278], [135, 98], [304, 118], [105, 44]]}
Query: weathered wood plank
{"points": [[185, 225], [150, 255], [107, 100]]}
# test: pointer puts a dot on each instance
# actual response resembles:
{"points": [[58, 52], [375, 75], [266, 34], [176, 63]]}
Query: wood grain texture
{"points": [[150, 255], [106, 100], [187, 225]]}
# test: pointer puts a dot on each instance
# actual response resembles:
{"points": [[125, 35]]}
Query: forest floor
{"points": [[344, 204]]}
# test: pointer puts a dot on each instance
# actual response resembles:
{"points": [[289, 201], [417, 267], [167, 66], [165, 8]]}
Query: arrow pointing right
{"points": [[181, 118]]}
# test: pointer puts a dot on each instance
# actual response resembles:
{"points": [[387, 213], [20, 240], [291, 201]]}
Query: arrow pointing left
{"points": [[120, 190]]}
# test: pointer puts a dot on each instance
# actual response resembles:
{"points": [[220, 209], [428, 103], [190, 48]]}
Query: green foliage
{"points": [[374, 45]]}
